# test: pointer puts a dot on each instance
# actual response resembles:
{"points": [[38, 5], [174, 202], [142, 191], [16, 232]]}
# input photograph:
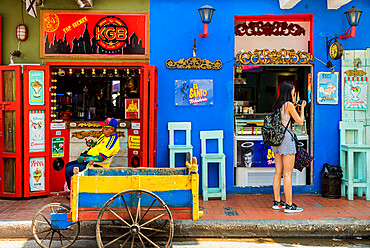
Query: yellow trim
{"points": [[195, 191], [115, 184], [74, 202]]}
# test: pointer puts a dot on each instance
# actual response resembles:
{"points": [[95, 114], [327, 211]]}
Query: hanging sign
{"points": [[37, 131], [94, 34], [355, 93], [36, 87], [57, 147], [194, 92], [37, 174], [327, 87]]}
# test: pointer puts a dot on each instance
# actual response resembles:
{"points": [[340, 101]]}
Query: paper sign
{"points": [[37, 174]]}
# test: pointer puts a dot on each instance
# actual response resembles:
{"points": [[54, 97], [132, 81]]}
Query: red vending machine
{"points": [[59, 135]]}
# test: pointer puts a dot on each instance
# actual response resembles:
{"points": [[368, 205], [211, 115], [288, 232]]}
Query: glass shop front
{"points": [[255, 91]]}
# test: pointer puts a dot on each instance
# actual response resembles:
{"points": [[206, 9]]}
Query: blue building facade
{"points": [[175, 24]]}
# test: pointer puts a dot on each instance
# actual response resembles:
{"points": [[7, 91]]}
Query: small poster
{"points": [[37, 174], [355, 93], [36, 87], [37, 131], [57, 147], [327, 87], [134, 142], [132, 107], [194, 92], [254, 153]]}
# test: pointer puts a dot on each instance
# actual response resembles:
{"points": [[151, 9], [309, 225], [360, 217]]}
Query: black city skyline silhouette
{"points": [[85, 45]]}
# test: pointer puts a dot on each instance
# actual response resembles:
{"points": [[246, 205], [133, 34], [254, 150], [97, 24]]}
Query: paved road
{"points": [[218, 243]]}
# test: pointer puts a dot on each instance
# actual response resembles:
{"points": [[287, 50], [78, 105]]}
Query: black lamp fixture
{"points": [[334, 49], [206, 13], [353, 17]]}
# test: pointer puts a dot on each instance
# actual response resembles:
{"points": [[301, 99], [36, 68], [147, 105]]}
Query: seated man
{"points": [[101, 152]]}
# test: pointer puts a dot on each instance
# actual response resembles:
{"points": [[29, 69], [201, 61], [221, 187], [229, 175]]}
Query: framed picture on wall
{"points": [[327, 88]]}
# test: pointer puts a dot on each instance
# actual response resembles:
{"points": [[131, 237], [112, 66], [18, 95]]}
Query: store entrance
{"points": [[255, 91], [84, 94]]}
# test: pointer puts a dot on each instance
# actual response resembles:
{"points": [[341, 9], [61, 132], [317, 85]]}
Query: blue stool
{"points": [[184, 148], [219, 158], [356, 170]]}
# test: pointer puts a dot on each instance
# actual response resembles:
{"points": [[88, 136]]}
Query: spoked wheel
{"points": [[134, 218], [48, 236]]}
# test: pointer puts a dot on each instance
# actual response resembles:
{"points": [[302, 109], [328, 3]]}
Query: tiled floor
{"points": [[236, 207]]}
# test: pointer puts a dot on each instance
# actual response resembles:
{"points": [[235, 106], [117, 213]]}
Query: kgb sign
{"points": [[116, 35]]}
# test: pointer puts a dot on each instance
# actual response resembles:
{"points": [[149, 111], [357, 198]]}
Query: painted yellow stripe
{"points": [[115, 184]]}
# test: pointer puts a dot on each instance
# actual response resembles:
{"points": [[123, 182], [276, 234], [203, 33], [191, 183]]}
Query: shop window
{"points": [[94, 93]]}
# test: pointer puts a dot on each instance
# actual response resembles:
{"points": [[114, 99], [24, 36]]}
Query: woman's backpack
{"points": [[273, 131]]}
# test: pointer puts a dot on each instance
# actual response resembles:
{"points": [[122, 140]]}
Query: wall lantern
{"points": [[21, 32], [206, 13], [353, 17]]}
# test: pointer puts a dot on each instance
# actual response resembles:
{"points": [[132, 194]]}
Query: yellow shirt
{"points": [[106, 147]]}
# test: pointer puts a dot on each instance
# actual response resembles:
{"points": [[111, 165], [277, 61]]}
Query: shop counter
{"points": [[254, 162]]}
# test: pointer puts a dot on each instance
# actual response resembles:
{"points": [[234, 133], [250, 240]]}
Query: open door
{"points": [[36, 126], [11, 146], [152, 148]]}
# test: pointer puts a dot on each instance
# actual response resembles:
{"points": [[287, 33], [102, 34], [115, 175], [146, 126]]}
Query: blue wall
{"points": [[173, 27]]}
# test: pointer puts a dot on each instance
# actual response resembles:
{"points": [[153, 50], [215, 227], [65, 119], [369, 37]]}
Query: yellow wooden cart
{"points": [[133, 207]]}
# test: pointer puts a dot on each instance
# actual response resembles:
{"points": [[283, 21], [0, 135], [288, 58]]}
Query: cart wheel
{"points": [[47, 236], [134, 218]]}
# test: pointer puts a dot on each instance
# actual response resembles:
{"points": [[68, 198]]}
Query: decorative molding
{"points": [[95, 134], [355, 73], [267, 28], [274, 57], [194, 63]]}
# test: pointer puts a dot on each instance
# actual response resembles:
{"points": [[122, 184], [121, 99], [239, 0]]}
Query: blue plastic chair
{"points": [[183, 148], [356, 169], [218, 157]]}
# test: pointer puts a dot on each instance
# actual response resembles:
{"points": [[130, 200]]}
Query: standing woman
{"points": [[285, 153]]}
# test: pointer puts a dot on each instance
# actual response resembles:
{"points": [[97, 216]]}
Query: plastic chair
{"points": [[184, 148], [219, 158], [356, 171]]}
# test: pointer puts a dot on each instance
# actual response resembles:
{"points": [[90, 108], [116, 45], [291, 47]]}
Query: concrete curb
{"points": [[329, 227]]}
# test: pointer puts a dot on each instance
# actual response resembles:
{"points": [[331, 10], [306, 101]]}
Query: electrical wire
{"points": [[22, 11]]}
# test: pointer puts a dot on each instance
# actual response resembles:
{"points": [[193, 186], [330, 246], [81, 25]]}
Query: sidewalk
{"points": [[238, 216]]}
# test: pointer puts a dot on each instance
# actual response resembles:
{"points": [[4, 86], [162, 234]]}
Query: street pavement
{"points": [[239, 216]]}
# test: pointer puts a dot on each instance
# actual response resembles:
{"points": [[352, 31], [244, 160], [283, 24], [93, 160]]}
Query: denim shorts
{"points": [[287, 146]]}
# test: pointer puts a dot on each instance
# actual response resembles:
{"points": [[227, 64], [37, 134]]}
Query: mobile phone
{"points": [[299, 102]]}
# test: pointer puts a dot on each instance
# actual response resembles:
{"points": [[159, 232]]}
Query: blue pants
{"points": [[69, 170]]}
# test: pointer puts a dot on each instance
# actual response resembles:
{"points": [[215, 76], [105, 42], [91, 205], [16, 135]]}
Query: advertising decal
{"points": [[36, 87], [37, 174], [355, 93], [327, 87], [194, 92], [37, 131], [57, 147]]}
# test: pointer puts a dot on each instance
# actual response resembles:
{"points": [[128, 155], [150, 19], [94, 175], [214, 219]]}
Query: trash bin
{"points": [[331, 181]]}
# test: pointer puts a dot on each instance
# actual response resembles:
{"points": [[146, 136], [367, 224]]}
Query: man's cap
{"points": [[109, 122]]}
